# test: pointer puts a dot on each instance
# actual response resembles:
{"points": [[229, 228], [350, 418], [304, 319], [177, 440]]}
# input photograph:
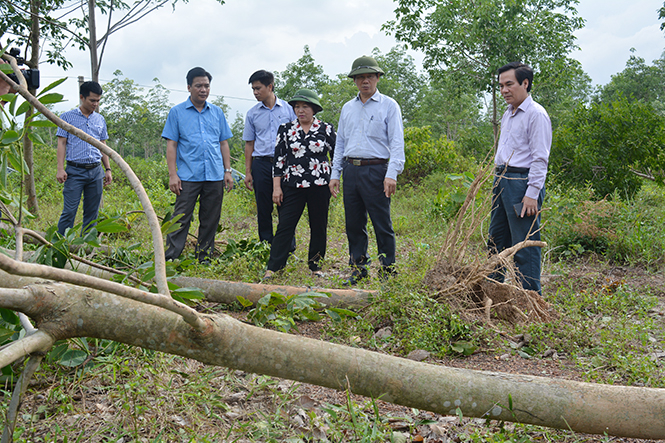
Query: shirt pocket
{"points": [[376, 129]]}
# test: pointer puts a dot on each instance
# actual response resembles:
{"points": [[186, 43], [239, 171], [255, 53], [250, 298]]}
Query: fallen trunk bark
{"points": [[226, 292], [67, 311]]}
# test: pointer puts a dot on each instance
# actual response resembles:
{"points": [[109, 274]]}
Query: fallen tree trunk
{"points": [[227, 292], [64, 311]]}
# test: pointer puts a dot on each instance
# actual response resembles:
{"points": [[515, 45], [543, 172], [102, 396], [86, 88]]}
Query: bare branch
{"points": [[166, 302], [40, 341], [17, 396]]}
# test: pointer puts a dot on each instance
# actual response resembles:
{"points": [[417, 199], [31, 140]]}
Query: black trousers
{"points": [[262, 176], [210, 195], [317, 199], [363, 195]]}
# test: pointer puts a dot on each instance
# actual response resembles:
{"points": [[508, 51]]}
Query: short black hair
{"points": [[87, 87], [522, 72], [262, 76], [197, 72]]}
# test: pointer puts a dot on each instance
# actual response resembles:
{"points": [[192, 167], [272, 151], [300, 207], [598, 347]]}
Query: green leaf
{"points": [[72, 358], [52, 85], [25, 106], [190, 293], [50, 98], [463, 347], [43, 124], [6, 334], [10, 136], [243, 301], [111, 226], [9, 316]]}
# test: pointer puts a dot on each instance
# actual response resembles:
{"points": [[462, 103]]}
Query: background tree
{"points": [[474, 37], [304, 73], [610, 146], [638, 81], [135, 119]]}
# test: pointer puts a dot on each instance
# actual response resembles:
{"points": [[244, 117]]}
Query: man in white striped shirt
{"points": [[83, 173]]}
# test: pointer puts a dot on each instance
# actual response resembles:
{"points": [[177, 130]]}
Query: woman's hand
{"points": [[277, 194]]}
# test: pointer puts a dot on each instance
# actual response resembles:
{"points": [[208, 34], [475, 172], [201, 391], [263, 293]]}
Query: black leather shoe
{"points": [[357, 275], [386, 272]]}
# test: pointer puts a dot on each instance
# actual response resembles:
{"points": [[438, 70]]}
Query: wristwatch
{"points": [[228, 170]]}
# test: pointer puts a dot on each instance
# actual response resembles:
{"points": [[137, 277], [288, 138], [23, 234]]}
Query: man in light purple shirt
{"points": [[520, 171]]}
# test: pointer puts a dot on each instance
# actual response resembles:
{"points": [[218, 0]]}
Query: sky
{"points": [[235, 39]]}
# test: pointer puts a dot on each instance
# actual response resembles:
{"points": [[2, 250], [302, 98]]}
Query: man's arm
{"points": [[108, 178], [226, 157], [61, 175], [395, 132], [175, 185], [249, 150]]}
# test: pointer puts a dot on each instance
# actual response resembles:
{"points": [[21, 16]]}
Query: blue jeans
{"points": [[507, 229], [90, 183]]}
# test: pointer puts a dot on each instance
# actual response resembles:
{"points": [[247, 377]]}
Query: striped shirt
{"points": [[79, 151]]}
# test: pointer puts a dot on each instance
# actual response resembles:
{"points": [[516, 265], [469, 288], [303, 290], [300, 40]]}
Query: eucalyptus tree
{"points": [[475, 37]]}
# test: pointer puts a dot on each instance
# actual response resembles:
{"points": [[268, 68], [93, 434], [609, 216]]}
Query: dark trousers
{"points": [[317, 199], [363, 195], [210, 195], [90, 183], [262, 176], [507, 229]]}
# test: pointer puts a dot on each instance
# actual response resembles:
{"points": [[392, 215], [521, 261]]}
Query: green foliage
{"points": [[637, 82], [304, 73], [451, 195], [282, 311], [577, 224], [135, 119], [425, 155], [601, 144], [604, 326], [416, 322], [252, 249]]}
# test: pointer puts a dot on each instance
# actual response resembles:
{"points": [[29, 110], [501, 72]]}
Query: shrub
{"points": [[425, 155]]}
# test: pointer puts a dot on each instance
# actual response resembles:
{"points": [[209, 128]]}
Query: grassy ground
{"points": [[602, 275]]}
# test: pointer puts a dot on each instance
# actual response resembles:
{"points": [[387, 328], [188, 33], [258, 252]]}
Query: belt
{"points": [[84, 165], [263, 157], [367, 161], [510, 170]]}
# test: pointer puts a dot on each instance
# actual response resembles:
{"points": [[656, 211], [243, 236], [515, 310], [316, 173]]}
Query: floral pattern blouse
{"points": [[304, 159]]}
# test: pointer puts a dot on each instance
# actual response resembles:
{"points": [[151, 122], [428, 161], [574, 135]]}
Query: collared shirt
{"points": [[301, 159], [262, 123], [525, 142], [373, 129], [77, 150], [198, 134]]}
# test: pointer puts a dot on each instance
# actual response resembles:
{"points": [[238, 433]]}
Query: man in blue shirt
{"points": [[370, 153], [260, 135], [199, 162], [83, 174]]}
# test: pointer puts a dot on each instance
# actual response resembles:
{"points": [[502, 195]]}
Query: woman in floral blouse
{"points": [[301, 172]]}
